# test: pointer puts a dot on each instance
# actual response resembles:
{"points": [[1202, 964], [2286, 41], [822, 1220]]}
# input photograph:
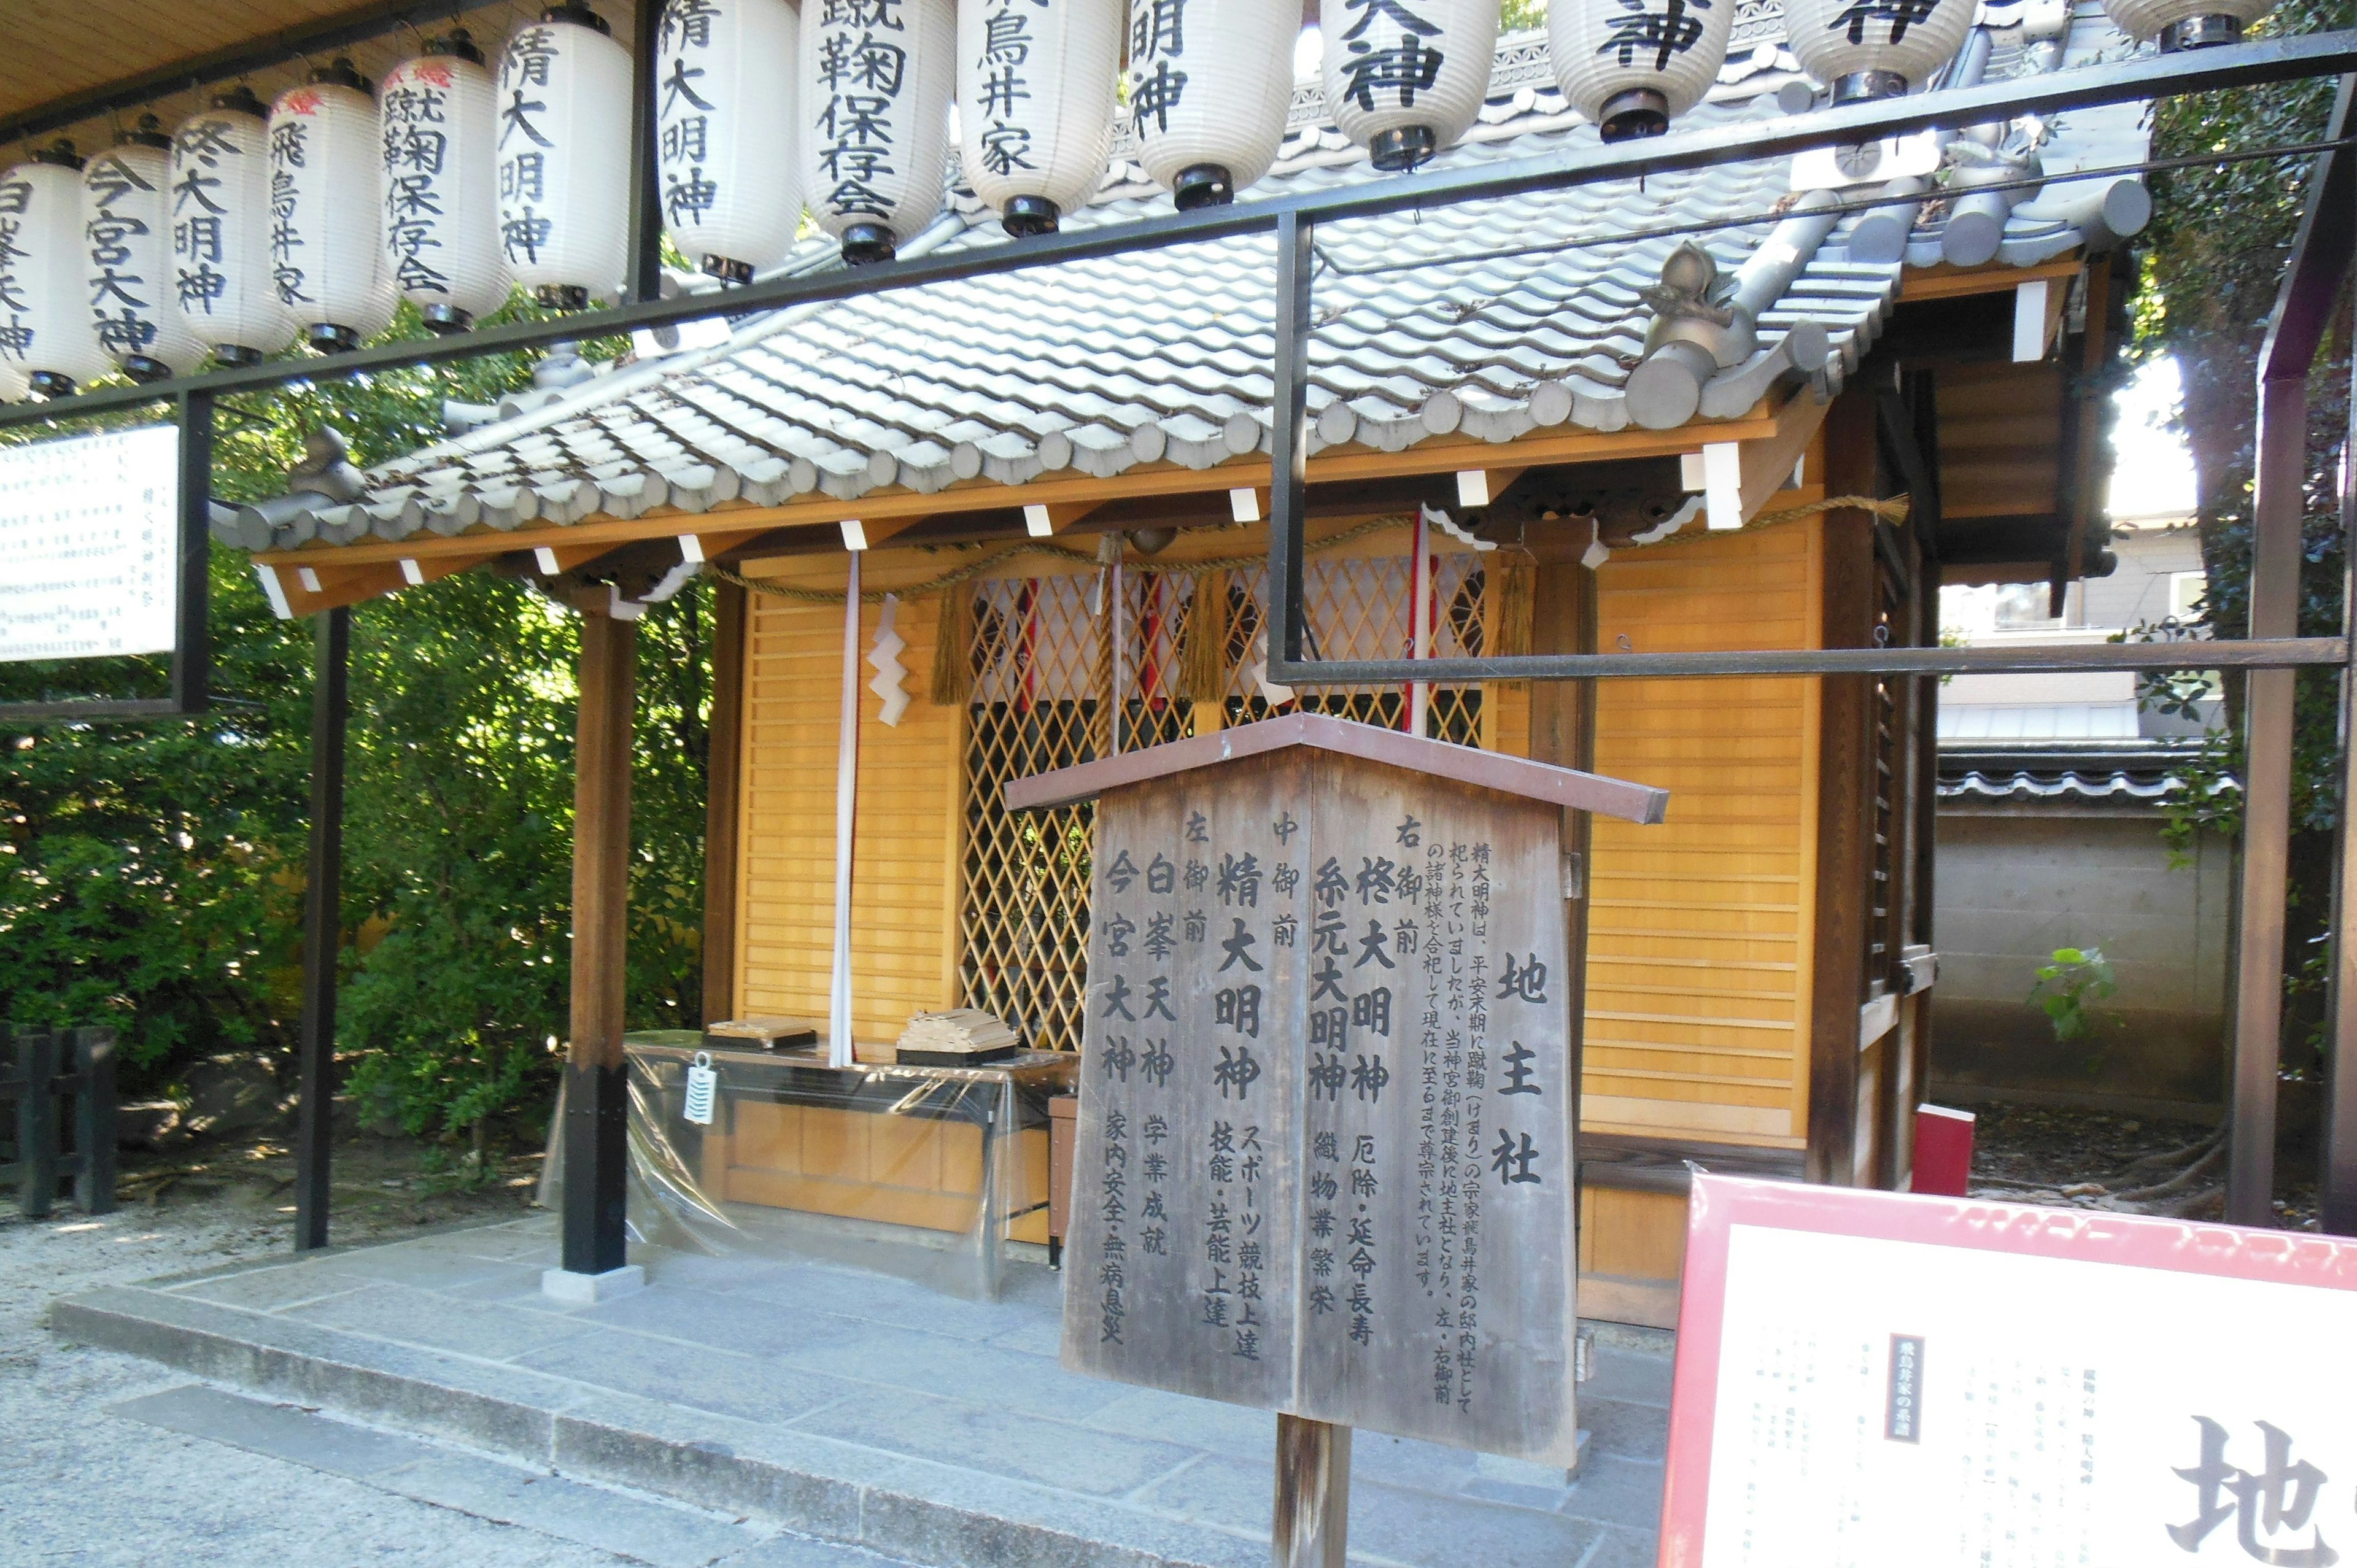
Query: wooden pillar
{"points": [[1562, 731], [597, 1119], [1311, 1523], [1845, 864], [724, 762]]}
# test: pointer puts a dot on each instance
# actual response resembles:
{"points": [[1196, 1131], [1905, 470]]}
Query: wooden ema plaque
{"points": [[1324, 1154]]}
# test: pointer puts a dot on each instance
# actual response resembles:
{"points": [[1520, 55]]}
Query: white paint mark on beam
{"points": [[1037, 522], [2029, 322], [1472, 486], [274, 590], [690, 549], [855, 535], [546, 559], [1243, 505], [1690, 472], [413, 574], [1722, 472], [308, 578]]}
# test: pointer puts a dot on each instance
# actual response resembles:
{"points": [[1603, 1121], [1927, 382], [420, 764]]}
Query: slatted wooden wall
{"points": [[905, 857], [1699, 928]]}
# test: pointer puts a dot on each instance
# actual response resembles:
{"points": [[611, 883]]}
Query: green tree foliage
{"points": [[1519, 14], [151, 875], [2217, 247]]}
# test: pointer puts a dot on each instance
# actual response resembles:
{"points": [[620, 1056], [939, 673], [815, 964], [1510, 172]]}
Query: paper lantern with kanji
{"points": [[221, 231], [1210, 82], [327, 152], [2186, 24], [565, 157], [439, 180], [1405, 78], [726, 85], [126, 230], [875, 135], [1875, 49], [1035, 85], [46, 331], [1634, 66]]}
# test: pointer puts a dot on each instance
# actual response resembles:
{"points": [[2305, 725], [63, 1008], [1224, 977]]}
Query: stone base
{"points": [[589, 1290]]}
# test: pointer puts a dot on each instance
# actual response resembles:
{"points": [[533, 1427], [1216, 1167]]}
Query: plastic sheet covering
{"points": [[920, 1171]]}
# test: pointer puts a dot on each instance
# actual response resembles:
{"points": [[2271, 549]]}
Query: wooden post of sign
{"points": [[596, 1116], [1311, 1525]]}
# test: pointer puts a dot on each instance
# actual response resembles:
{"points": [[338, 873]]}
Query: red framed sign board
{"points": [[1870, 1379]]}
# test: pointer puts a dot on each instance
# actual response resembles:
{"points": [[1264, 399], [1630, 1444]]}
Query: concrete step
{"points": [[627, 1524], [837, 1492]]}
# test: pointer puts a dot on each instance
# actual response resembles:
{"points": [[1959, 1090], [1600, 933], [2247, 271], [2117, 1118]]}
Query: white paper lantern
{"points": [[1405, 78], [46, 331], [1035, 90], [327, 240], [221, 231], [126, 228], [2186, 24], [1875, 49], [440, 183], [727, 84], [1211, 84], [1632, 66], [565, 157], [878, 75]]}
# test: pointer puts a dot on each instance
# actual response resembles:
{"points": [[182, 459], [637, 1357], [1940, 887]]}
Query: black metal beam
{"points": [[322, 930], [2122, 82], [2305, 300], [289, 44], [645, 279], [1288, 516], [2284, 653]]}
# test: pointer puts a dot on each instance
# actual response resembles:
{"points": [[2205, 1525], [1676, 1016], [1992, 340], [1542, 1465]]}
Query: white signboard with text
{"points": [[89, 546], [1866, 1379]]}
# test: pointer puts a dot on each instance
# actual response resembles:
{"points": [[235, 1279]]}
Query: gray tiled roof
{"points": [[1096, 367]]}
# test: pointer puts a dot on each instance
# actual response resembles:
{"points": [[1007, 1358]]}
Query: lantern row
{"points": [[248, 228]]}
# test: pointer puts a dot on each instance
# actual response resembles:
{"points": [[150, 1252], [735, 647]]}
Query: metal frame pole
{"points": [[2337, 1179], [322, 929], [645, 279], [192, 659], [1288, 513]]}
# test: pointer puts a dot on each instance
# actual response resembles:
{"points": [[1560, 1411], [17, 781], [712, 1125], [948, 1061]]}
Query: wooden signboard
{"points": [[1324, 1158]]}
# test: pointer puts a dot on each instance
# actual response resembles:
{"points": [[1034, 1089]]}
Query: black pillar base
{"points": [[597, 1143]]}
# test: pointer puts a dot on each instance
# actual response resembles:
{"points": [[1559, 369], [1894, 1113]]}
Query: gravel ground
{"points": [[80, 1486]]}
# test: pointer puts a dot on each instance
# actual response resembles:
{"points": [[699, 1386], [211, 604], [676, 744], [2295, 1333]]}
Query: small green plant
{"points": [[2069, 987]]}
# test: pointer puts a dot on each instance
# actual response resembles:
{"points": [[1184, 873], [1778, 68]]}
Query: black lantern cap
{"points": [[1865, 86], [580, 15], [58, 154], [52, 383], [2201, 33], [240, 100], [459, 45], [1028, 215], [446, 320], [728, 270], [326, 337], [1628, 117], [563, 297], [145, 370], [149, 132], [339, 72], [1203, 185], [235, 355], [1404, 149], [864, 244]]}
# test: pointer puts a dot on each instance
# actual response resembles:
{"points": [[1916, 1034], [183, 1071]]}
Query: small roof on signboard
{"points": [[1541, 781]]}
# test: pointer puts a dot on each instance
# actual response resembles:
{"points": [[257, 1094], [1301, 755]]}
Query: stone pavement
{"points": [[853, 1407]]}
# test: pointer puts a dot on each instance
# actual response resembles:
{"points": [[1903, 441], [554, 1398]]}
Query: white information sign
{"points": [[89, 546], [1876, 1380]]}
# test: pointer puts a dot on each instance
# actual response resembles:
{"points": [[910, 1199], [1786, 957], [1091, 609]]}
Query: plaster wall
{"points": [[2013, 883]]}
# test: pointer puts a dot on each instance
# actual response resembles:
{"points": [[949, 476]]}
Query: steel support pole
{"points": [[322, 929], [597, 1115], [2338, 1176], [1311, 1525], [192, 654], [1288, 513], [2266, 805], [645, 280]]}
